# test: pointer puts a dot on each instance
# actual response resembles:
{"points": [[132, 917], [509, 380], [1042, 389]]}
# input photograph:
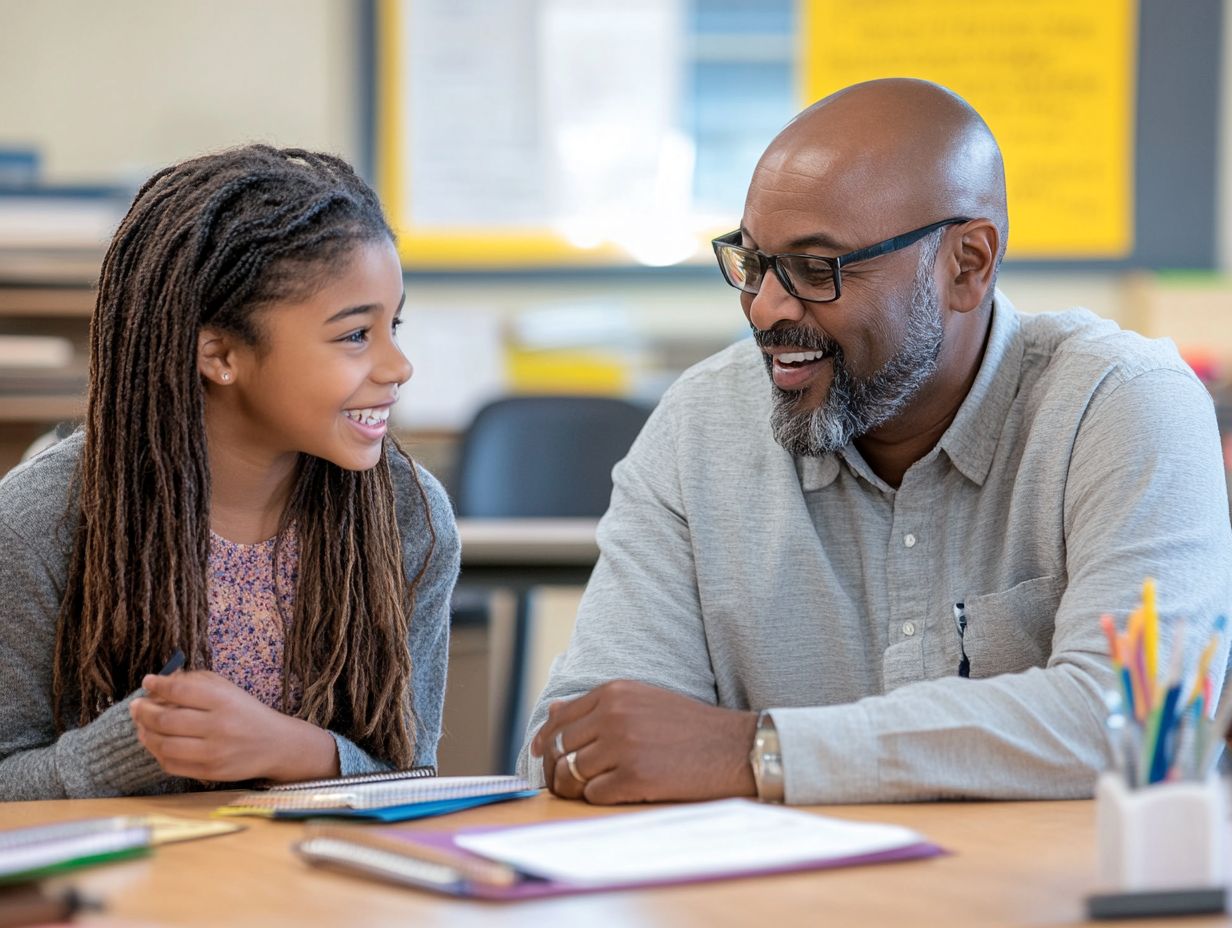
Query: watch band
{"points": [[766, 759]]}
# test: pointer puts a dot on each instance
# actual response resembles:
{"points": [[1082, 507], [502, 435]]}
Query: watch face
{"points": [[765, 752], [766, 741]]}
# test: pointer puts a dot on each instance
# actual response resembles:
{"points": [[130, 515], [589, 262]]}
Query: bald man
{"points": [[877, 573]]}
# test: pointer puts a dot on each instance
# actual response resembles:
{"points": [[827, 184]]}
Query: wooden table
{"points": [[522, 553], [1011, 864]]}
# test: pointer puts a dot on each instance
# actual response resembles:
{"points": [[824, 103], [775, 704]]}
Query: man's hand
{"points": [[199, 725], [632, 742]]}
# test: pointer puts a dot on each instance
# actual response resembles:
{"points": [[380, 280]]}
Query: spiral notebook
{"points": [[380, 776], [386, 799]]}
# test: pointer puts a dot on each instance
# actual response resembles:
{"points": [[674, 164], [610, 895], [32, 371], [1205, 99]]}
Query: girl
{"points": [[233, 494]]}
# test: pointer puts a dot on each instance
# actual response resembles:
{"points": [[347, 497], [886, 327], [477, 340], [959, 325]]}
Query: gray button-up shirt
{"points": [[1083, 460]]}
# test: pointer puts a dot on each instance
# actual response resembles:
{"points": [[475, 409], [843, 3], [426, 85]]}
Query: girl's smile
{"points": [[372, 421]]}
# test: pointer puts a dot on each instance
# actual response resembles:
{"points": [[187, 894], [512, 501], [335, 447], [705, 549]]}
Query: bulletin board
{"points": [[481, 106], [1055, 81], [1107, 113]]}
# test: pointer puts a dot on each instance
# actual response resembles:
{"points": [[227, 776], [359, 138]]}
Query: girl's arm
{"points": [[103, 758]]}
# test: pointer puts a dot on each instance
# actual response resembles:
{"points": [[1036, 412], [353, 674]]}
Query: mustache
{"points": [[794, 337]]}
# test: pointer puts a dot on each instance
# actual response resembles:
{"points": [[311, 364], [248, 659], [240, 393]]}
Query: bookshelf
{"points": [[44, 294], [51, 292]]}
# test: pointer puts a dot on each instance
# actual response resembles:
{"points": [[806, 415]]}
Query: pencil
{"points": [[1131, 652], [1216, 730], [1150, 636], [1204, 662], [1106, 623], [1115, 649], [1145, 702], [1166, 717]]}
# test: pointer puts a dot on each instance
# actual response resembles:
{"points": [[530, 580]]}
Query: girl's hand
{"points": [[199, 725]]}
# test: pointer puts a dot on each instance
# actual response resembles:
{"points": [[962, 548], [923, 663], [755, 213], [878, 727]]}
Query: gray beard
{"points": [[855, 407]]}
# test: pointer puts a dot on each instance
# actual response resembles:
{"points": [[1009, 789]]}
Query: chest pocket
{"points": [[1012, 631]]}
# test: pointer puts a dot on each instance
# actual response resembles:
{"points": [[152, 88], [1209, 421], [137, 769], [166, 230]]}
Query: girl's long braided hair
{"points": [[211, 241]]}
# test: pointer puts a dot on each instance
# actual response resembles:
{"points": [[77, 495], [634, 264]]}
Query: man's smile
{"points": [[797, 370]]}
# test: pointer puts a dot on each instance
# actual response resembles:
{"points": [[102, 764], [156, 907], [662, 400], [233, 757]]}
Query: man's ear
{"points": [[215, 356], [973, 264]]}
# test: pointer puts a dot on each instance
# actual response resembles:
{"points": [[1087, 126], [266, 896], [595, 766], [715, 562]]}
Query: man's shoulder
{"points": [[1078, 346], [715, 419], [737, 374], [35, 495]]}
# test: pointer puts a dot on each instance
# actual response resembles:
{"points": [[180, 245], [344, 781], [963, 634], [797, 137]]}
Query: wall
{"points": [[115, 89], [112, 90]]}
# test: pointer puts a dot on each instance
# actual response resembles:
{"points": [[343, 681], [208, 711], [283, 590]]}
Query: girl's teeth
{"points": [[368, 416]]}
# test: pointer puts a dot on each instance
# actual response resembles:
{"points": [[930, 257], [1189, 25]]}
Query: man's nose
{"points": [[772, 304]]}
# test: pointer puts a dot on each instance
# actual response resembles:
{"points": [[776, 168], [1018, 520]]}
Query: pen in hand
{"points": [[176, 662]]}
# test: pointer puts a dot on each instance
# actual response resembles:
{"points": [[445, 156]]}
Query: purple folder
{"points": [[531, 887]]}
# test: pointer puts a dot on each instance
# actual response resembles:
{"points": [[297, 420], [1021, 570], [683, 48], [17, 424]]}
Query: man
{"points": [[880, 577]]}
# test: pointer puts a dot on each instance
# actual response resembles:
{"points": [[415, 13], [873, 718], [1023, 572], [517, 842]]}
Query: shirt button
{"points": [[909, 540], [908, 629]]}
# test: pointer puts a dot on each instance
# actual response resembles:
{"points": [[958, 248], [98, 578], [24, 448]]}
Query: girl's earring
{"points": [[226, 376]]}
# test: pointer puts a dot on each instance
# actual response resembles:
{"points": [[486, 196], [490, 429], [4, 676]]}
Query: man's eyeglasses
{"points": [[812, 278]]}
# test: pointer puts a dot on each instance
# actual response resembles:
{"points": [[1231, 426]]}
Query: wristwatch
{"points": [[766, 759]]}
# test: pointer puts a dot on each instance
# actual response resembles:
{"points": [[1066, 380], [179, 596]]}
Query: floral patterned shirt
{"points": [[250, 606]]}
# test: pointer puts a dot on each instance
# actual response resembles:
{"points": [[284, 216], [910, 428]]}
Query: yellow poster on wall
{"points": [[1054, 79]]}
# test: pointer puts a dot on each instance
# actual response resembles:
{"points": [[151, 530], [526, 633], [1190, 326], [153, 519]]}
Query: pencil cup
{"points": [[1166, 836]]}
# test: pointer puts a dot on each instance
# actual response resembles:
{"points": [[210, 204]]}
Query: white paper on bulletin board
{"points": [[1054, 79], [527, 132]]}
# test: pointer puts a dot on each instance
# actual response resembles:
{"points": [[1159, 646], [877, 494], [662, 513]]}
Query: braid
{"points": [[209, 242]]}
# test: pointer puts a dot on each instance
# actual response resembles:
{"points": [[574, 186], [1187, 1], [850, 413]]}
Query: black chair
{"points": [[530, 457], [61, 431]]}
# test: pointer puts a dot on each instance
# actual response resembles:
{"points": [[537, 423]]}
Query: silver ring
{"points": [[559, 743], [571, 760]]}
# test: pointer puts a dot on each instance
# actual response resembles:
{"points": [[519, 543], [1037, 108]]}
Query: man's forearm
{"points": [[1033, 735]]}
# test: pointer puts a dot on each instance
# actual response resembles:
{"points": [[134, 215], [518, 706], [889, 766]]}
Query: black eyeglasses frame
{"points": [[898, 242]]}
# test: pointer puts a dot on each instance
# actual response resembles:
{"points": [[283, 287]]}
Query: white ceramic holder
{"points": [[1165, 836]]}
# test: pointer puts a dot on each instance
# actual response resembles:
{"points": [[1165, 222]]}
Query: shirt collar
{"points": [[816, 472], [972, 437]]}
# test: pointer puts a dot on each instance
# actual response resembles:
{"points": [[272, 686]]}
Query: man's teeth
{"points": [[800, 357], [367, 416]]}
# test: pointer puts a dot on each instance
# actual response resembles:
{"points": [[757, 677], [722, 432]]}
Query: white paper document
{"points": [[730, 836]]}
